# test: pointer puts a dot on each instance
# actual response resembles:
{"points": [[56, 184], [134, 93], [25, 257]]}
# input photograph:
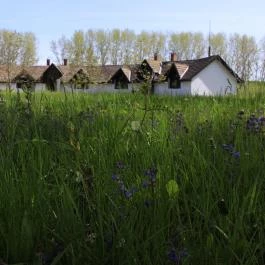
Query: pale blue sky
{"points": [[51, 19]]}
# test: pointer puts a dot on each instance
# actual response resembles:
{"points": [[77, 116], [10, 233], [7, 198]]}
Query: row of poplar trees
{"points": [[243, 53]]}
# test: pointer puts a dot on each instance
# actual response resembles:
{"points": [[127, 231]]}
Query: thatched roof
{"points": [[186, 69]]}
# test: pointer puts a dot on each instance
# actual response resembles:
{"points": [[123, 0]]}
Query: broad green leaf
{"points": [[172, 188]]}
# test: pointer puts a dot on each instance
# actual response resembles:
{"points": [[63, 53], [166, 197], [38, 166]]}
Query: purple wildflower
{"points": [[231, 149], [148, 203], [122, 186], [120, 165], [151, 173], [115, 177], [128, 194], [255, 124], [228, 147], [145, 184], [177, 256], [236, 155]]}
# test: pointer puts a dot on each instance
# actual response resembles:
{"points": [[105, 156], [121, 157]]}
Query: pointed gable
{"points": [[145, 71], [196, 66], [122, 73], [51, 73], [173, 71], [80, 75], [155, 65], [24, 76]]}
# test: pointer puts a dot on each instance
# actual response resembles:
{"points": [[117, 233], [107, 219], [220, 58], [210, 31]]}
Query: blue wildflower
{"points": [[145, 184], [255, 124], [128, 194], [177, 256], [151, 173], [133, 190], [120, 165], [115, 177], [172, 255], [228, 147], [122, 186], [236, 155], [147, 203]]}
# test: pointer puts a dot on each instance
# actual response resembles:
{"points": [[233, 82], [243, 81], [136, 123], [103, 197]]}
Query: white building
{"points": [[206, 76]]}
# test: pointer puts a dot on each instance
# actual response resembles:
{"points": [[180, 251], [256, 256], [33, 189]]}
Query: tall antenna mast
{"points": [[209, 40]]}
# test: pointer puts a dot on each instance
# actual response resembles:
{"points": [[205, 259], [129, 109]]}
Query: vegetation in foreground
{"points": [[132, 179]]}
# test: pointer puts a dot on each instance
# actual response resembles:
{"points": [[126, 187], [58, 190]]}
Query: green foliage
{"points": [[130, 179], [172, 188]]}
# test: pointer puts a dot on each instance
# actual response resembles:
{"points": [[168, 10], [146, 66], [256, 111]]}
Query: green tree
{"points": [[10, 50], [77, 48], [243, 55], [61, 49], [90, 56], [218, 43], [115, 46], [102, 46], [28, 52], [128, 38]]}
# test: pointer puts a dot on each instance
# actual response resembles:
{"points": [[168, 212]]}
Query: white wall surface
{"points": [[97, 88], [37, 87], [162, 89], [40, 87], [213, 81], [4, 86]]}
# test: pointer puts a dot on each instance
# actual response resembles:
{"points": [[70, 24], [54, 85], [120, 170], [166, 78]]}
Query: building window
{"points": [[121, 84], [25, 85], [174, 82], [19, 85], [80, 85], [80, 81]]}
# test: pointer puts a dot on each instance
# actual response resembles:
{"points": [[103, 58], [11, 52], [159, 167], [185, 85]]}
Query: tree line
{"points": [[243, 53], [17, 48]]}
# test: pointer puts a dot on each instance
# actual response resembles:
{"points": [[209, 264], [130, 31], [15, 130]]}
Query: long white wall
{"points": [[40, 87], [213, 80], [37, 87], [96, 88], [4, 86], [162, 89]]}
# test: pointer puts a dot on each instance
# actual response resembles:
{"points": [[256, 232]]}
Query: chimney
{"points": [[48, 62], [173, 57], [64, 61], [155, 56]]}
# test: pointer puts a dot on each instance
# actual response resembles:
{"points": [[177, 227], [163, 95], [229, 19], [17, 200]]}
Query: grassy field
{"points": [[132, 179]]}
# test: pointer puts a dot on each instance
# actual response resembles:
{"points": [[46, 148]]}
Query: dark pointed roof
{"points": [[122, 71], [191, 68], [187, 69]]}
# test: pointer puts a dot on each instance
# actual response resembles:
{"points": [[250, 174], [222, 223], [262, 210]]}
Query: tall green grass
{"points": [[132, 179]]}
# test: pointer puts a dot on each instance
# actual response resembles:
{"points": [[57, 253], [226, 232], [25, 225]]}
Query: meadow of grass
{"points": [[132, 179]]}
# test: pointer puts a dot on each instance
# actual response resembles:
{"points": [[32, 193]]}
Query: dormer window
{"points": [[173, 77], [121, 83], [80, 81], [24, 82], [145, 71], [121, 78], [174, 82]]}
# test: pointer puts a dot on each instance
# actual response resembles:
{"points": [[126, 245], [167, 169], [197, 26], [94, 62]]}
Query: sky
{"points": [[50, 19]]}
